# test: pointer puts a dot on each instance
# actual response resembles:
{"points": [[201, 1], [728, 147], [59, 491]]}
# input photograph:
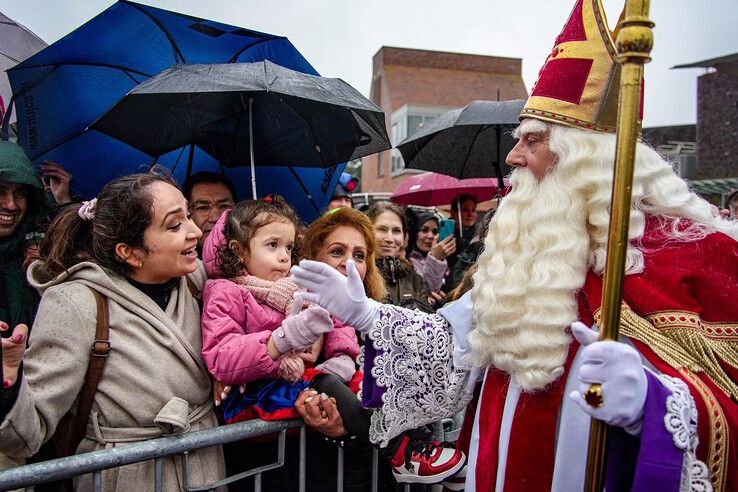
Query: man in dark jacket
{"points": [[22, 206]]}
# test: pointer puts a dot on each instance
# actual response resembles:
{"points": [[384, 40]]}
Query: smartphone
{"points": [[445, 228]]}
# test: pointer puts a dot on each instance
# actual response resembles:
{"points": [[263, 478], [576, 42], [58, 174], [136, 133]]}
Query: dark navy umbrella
{"points": [[247, 114], [61, 90]]}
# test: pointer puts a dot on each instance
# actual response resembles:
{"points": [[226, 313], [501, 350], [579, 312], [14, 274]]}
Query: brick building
{"points": [[716, 170], [413, 86]]}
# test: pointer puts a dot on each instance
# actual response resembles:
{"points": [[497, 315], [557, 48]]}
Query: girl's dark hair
{"points": [[123, 212], [242, 223]]}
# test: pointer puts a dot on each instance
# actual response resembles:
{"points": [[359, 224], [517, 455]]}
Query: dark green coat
{"points": [[18, 301]]}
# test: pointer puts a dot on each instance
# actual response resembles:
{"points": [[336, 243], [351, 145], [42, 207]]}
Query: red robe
{"points": [[692, 287]]}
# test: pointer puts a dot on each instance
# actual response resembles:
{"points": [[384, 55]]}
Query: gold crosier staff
{"points": [[634, 43]]}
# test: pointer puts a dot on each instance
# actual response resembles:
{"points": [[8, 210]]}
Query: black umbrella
{"points": [[469, 142], [248, 113]]}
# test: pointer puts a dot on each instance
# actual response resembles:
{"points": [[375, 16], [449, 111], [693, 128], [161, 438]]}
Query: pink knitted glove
{"points": [[341, 366], [291, 367], [300, 330], [277, 294]]}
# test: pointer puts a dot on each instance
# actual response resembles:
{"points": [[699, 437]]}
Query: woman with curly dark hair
{"points": [[135, 248]]}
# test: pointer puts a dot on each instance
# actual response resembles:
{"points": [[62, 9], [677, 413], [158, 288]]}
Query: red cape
{"points": [[690, 287], [684, 285]]}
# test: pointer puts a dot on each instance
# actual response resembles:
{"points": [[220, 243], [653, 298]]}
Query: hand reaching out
{"points": [[343, 296]]}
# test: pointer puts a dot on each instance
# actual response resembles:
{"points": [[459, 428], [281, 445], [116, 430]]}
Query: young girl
{"points": [[338, 236], [253, 332]]}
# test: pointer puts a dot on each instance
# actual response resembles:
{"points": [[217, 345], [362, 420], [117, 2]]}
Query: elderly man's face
{"points": [[532, 150], [13, 206], [207, 202]]}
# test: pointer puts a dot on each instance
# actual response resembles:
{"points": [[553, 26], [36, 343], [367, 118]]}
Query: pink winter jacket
{"points": [[236, 327]]}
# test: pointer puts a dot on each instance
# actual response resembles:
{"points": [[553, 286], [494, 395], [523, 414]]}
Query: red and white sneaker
{"points": [[425, 462]]}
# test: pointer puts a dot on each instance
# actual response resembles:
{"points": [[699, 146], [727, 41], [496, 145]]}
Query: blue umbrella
{"points": [[61, 90]]}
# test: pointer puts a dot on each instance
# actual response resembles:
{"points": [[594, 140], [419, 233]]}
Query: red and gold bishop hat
{"points": [[578, 85]]}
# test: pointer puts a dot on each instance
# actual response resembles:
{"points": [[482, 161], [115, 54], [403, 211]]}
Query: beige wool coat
{"points": [[154, 382]]}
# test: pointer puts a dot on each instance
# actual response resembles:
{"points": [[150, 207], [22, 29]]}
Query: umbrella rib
{"points": [[468, 152], [177, 52], [56, 65], [302, 185], [56, 145], [245, 48]]}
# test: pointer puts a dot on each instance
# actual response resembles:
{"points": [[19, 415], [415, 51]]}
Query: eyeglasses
{"points": [[203, 207]]}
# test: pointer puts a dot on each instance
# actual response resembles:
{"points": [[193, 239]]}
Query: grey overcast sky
{"points": [[339, 37]]}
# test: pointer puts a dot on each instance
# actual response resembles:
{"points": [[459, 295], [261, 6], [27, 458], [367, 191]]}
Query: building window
{"points": [[405, 121]]}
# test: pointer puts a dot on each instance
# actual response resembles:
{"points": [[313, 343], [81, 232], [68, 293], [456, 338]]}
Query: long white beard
{"points": [[534, 261]]}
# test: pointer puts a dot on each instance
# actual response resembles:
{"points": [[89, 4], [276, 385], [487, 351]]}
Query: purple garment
{"points": [[431, 269], [656, 461], [371, 393]]}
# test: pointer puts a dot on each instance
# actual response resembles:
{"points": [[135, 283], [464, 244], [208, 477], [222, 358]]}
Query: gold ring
{"points": [[593, 395]]}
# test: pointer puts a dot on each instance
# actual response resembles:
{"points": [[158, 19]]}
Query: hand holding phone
{"points": [[445, 228]]}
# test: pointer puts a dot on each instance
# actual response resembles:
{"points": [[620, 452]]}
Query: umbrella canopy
{"points": [[431, 189], [18, 43], [468, 142], [64, 88], [291, 117]]}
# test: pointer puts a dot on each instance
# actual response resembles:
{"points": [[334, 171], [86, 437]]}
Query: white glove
{"points": [[617, 367], [343, 297]]}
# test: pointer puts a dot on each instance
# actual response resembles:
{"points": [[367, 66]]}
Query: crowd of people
{"points": [[199, 283], [150, 311]]}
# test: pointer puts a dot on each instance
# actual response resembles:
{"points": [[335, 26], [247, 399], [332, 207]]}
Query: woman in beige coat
{"points": [[136, 246]]}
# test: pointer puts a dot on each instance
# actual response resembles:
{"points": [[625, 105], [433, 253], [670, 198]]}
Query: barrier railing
{"points": [[158, 449]]}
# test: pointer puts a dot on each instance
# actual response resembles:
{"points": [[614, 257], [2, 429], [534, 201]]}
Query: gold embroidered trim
{"points": [[667, 320], [683, 340], [718, 446]]}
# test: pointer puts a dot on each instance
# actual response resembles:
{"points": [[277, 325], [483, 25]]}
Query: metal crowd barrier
{"points": [[157, 449]]}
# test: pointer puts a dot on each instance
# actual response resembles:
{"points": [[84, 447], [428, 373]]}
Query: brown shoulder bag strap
{"points": [[100, 349], [196, 293]]}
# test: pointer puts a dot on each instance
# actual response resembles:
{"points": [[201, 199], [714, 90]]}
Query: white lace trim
{"points": [[681, 422], [416, 369]]}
